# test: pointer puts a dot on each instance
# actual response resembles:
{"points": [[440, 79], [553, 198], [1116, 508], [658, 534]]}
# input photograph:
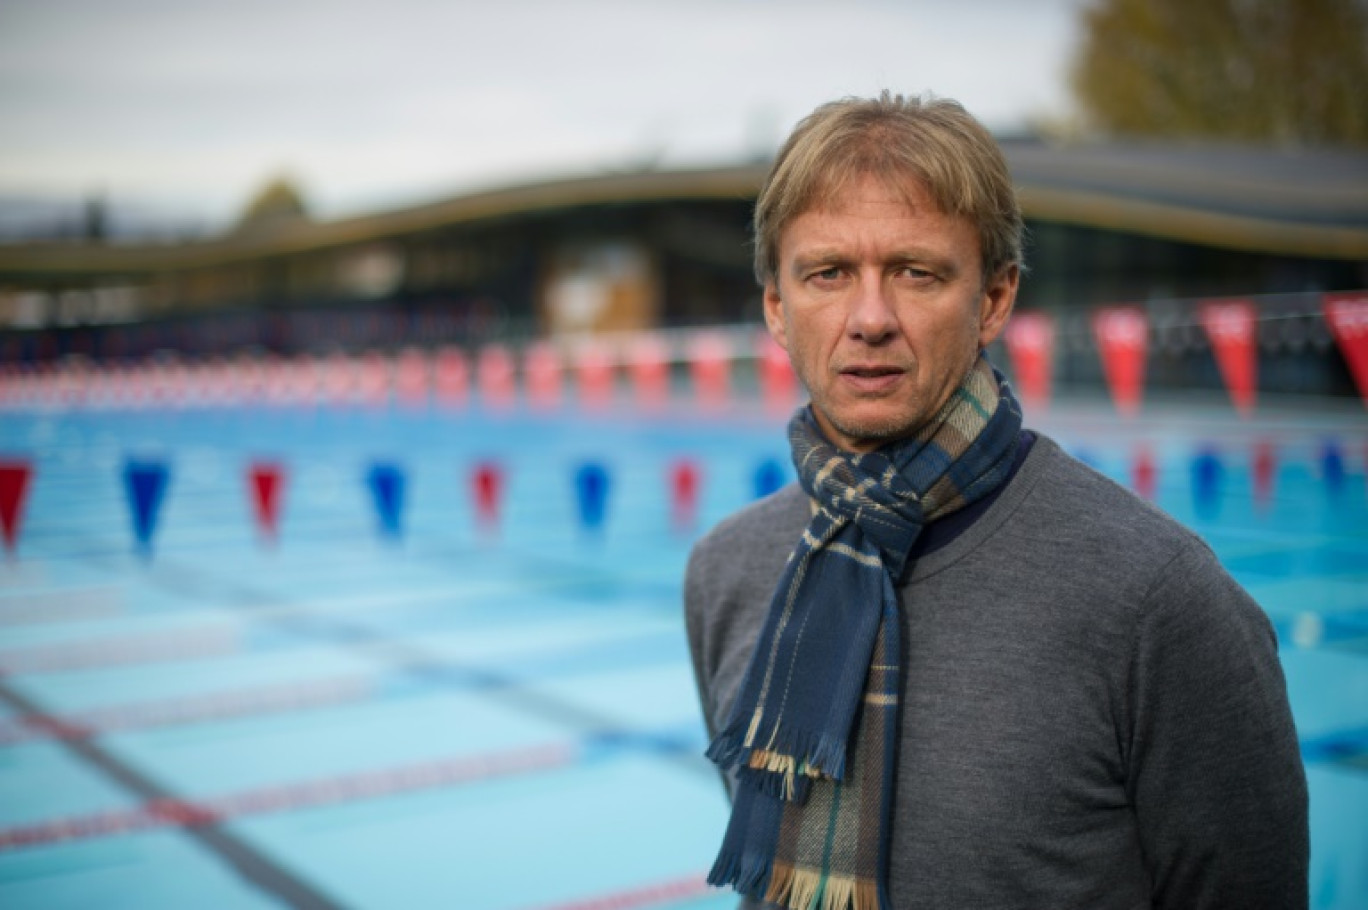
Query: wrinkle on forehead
{"points": [[840, 188]]}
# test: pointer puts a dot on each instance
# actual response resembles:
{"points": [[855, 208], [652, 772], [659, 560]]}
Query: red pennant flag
{"points": [[1030, 345], [339, 377], [1122, 333], [684, 493], [1264, 471], [1232, 326], [649, 360], [488, 481], [710, 366], [495, 376], [542, 374], [266, 480], [14, 484], [297, 382], [372, 378], [594, 365], [411, 377], [778, 385], [451, 377], [1347, 315], [1144, 473]]}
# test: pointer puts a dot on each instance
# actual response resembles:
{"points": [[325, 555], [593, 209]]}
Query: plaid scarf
{"points": [[814, 727]]}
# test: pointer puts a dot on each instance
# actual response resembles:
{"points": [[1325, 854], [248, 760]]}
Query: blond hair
{"points": [[901, 141]]}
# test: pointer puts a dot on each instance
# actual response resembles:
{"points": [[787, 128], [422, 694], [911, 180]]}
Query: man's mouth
{"points": [[872, 378]]}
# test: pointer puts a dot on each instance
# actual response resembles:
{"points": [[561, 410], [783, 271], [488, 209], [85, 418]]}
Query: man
{"points": [[953, 667]]}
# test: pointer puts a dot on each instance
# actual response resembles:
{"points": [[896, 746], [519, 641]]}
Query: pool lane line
{"points": [[165, 811], [401, 656], [92, 653], [92, 602], [652, 895], [532, 701], [218, 705], [1348, 748], [172, 812], [207, 640], [254, 866], [253, 701], [66, 604]]}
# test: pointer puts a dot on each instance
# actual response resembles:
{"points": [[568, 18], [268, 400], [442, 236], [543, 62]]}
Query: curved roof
{"points": [[1309, 204], [737, 183], [1301, 202]]}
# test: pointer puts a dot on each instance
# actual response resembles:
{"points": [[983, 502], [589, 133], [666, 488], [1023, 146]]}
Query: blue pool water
{"points": [[405, 708]]}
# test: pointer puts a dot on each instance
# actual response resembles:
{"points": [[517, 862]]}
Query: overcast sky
{"points": [[191, 105]]}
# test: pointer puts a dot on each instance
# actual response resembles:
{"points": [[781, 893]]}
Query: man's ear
{"points": [[995, 307], [774, 313]]}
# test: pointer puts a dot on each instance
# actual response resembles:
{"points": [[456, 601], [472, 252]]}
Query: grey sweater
{"points": [[1093, 714]]}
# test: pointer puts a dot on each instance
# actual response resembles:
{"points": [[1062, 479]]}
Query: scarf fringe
{"points": [[793, 887], [823, 754], [726, 750], [808, 889], [748, 873], [789, 788]]}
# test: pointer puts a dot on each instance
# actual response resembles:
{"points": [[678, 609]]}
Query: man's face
{"points": [[882, 308]]}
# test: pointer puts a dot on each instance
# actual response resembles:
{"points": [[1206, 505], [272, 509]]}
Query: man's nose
{"points": [[872, 317]]}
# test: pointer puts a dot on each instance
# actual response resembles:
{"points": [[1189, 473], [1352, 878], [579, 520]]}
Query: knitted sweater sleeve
{"points": [[697, 600], [1216, 775], [728, 583]]}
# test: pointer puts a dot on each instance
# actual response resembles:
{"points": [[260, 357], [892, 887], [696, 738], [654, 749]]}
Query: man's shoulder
{"points": [[1072, 502], [1092, 558], [1093, 496], [752, 543]]}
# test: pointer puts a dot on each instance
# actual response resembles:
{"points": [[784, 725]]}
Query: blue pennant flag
{"points": [[592, 482], [386, 482], [145, 483], [769, 477], [1207, 474], [1332, 467]]}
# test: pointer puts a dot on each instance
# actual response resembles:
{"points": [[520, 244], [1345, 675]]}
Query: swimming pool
{"points": [[396, 703]]}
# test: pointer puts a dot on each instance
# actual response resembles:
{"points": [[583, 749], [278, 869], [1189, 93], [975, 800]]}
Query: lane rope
{"points": [[179, 813], [102, 652], [168, 712]]}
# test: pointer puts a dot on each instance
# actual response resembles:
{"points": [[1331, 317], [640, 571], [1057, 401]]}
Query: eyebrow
{"points": [[829, 257], [817, 258]]}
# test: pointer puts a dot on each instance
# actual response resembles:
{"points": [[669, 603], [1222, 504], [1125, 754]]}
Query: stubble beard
{"points": [[878, 432], [901, 423]]}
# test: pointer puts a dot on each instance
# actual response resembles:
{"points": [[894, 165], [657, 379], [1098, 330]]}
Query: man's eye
{"points": [[828, 274]]}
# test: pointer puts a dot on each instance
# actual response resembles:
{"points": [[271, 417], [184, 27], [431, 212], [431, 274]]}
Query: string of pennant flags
{"points": [[1122, 333], [501, 377], [451, 377], [146, 483], [448, 377]]}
